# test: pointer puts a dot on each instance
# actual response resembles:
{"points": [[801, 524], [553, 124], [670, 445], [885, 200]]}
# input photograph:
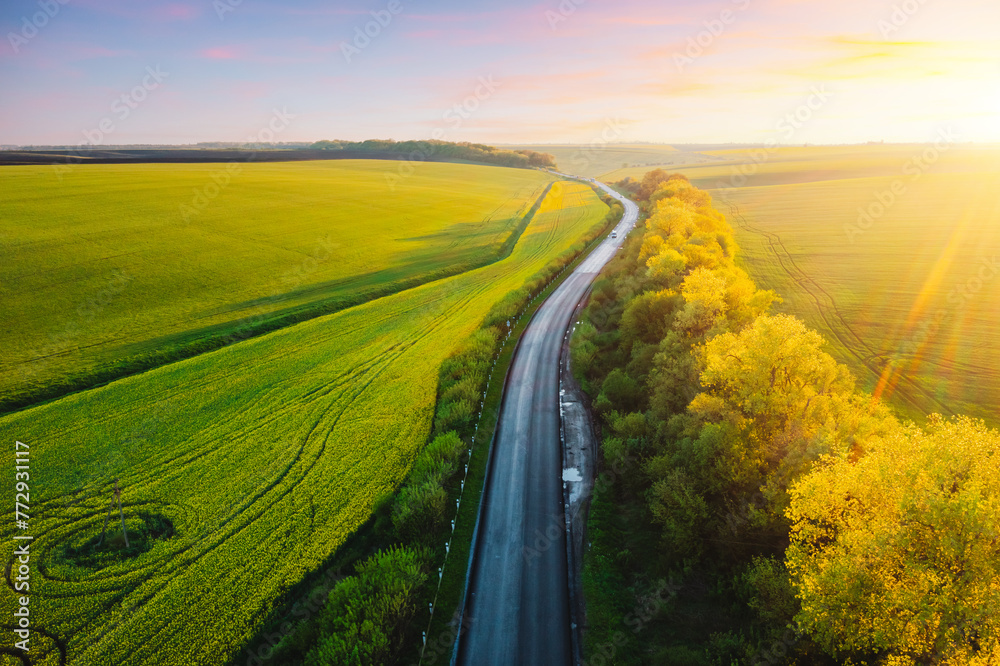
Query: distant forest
{"points": [[424, 150]]}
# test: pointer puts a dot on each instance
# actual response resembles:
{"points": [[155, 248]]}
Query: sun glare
{"points": [[993, 98]]}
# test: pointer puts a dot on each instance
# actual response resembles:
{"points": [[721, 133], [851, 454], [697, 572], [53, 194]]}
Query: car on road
{"points": [[614, 234]]}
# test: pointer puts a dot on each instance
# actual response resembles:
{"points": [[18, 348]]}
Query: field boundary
{"points": [[507, 247]]}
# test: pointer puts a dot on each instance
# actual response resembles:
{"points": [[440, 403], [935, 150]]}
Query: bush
{"points": [[464, 390], [364, 622], [419, 510], [441, 457]]}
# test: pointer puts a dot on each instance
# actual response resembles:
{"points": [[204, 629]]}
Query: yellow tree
{"points": [[895, 556], [773, 382], [771, 404]]}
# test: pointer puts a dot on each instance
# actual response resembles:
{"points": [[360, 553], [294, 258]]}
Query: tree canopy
{"points": [[759, 469], [896, 554]]}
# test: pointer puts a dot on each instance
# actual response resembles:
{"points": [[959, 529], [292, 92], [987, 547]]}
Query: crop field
{"points": [[243, 469], [600, 157], [908, 293], [723, 169], [106, 265]]}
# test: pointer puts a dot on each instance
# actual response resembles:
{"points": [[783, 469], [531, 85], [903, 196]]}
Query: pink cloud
{"points": [[549, 21], [521, 24], [271, 52], [178, 12], [220, 53], [460, 36], [171, 11]]}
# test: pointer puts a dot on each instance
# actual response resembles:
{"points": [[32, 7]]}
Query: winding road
{"points": [[517, 609]]}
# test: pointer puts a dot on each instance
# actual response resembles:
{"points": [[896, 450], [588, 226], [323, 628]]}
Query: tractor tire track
{"points": [[851, 341]]}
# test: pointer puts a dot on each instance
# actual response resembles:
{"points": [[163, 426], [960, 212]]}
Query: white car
{"points": [[614, 234]]}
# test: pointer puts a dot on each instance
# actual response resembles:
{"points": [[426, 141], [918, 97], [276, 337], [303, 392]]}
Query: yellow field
{"points": [[908, 292], [784, 166]]}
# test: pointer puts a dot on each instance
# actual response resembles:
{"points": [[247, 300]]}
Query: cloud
{"points": [[221, 53], [675, 88], [534, 82], [177, 12], [144, 11], [845, 57]]}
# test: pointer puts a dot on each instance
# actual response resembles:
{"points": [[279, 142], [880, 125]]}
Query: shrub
{"points": [[419, 510], [365, 620]]}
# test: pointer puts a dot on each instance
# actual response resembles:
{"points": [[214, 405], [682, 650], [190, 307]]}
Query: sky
{"points": [[105, 72]]}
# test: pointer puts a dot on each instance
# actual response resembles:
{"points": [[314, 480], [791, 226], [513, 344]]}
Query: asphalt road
{"points": [[517, 609]]}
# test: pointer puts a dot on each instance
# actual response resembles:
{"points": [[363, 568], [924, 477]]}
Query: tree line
{"points": [[808, 523], [418, 151]]}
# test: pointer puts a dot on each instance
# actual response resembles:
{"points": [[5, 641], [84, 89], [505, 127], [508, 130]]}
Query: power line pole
{"points": [[121, 514], [117, 497]]}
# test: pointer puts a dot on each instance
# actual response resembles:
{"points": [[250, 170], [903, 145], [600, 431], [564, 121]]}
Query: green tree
{"points": [[648, 316], [418, 513], [621, 392], [673, 377]]}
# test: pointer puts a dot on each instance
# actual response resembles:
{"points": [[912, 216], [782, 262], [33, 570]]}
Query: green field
{"points": [[111, 266], [244, 468], [909, 299]]}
